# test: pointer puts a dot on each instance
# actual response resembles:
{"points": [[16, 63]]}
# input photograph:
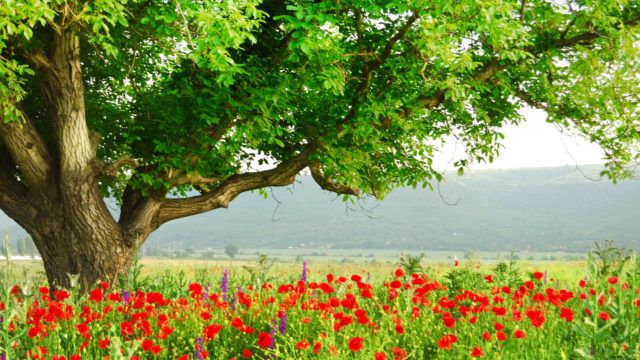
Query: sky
{"points": [[532, 143]]}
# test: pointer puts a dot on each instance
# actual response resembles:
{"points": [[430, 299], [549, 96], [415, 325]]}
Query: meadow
{"points": [[403, 308]]}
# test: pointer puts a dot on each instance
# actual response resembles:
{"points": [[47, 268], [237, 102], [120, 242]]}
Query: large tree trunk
{"points": [[68, 257]]}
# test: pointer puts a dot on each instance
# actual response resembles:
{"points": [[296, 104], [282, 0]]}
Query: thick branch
{"points": [[64, 93], [113, 168], [138, 216], [328, 184], [282, 175], [13, 196], [28, 151], [194, 179]]}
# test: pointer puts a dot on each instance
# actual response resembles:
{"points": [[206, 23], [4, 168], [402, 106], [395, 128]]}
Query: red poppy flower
{"points": [[446, 341], [96, 295], [399, 272], [381, 356], [264, 340], [489, 279], [156, 349], [519, 334], [211, 331], [246, 353], [400, 353], [126, 328], [147, 345], [103, 344], [449, 321], [501, 336], [316, 348], [566, 314], [604, 315], [486, 336], [536, 317], [476, 352], [303, 344], [61, 295], [538, 275], [355, 344]]}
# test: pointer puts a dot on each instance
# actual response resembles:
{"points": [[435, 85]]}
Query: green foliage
{"points": [[259, 271], [507, 272], [604, 264], [460, 278], [210, 89], [608, 259], [411, 264]]}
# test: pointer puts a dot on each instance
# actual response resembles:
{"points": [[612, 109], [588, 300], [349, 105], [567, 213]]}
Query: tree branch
{"points": [[192, 179], [386, 51], [138, 216], [328, 184], [13, 195], [282, 175], [28, 151], [484, 74], [113, 168], [371, 66]]}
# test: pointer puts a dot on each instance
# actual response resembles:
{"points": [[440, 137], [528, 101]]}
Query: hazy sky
{"points": [[533, 143]]}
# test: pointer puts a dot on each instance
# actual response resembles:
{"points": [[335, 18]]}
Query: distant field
{"points": [[375, 255], [288, 262]]}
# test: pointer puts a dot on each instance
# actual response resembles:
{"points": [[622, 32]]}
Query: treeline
{"points": [[22, 246]]}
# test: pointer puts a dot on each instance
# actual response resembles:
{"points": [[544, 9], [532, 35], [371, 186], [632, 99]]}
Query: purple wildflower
{"points": [[199, 349], [235, 298], [224, 286], [3, 356], [305, 270], [205, 294], [125, 296], [273, 339], [282, 326], [545, 277]]}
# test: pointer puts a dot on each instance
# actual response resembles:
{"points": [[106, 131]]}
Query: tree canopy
{"points": [[193, 92], [157, 99]]}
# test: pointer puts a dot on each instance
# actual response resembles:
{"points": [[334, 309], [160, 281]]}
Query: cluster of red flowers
{"points": [[337, 315]]}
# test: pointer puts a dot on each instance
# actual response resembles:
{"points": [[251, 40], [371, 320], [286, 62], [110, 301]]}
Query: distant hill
{"points": [[544, 209]]}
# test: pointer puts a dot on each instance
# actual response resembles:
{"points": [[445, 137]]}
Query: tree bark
{"points": [[68, 258]]}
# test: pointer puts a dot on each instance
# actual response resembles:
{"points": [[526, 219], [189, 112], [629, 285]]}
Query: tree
{"points": [[176, 107], [231, 250], [21, 246]]}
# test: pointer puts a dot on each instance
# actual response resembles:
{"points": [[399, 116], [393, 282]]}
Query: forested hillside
{"points": [[543, 209], [530, 209]]}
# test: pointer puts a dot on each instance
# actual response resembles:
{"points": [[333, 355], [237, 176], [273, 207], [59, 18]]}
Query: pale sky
{"points": [[532, 143]]}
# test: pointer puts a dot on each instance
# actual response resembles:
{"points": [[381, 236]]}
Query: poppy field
{"points": [[401, 311]]}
